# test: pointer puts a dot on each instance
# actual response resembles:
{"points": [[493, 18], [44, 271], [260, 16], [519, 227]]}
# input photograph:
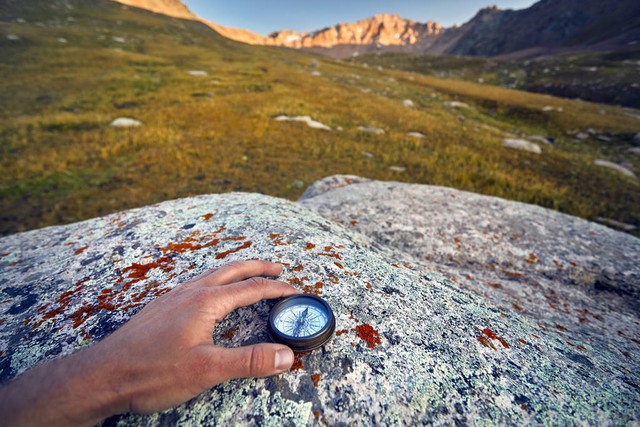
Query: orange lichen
{"points": [[224, 254], [234, 238], [309, 246], [315, 378], [495, 285], [207, 216], [532, 258], [517, 307], [523, 407], [490, 335], [561, 328], [298, 267], [297, 360], [330, 254], [339, 265], [80, 250], [523, 342], [341, 332], [353, 222], [229, 334], [369, 286], [368, 334], [315, 289]]}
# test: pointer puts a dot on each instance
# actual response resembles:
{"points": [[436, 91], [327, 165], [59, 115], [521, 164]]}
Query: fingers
{"points": [[237, 271], [258, 360], [253, 290]]}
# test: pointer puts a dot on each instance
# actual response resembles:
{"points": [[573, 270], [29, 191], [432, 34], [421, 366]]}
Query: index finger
{"points": [[236, 271], [253, 290]]}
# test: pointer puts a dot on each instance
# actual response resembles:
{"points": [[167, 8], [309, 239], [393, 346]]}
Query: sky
{"points": [[264, 17]]}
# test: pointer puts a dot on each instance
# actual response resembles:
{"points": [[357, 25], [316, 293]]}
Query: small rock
{"points": [[296, 184], [614, 166], [198, 73], [20, 21], [377, 131], [368, 154], [540, 139], [398, 169], [604, 138], [634, 150], [416, 135], [456, 104], [126, 122], [407, 103], [118, 39], [582, 136], [62, 40], [316, 73], [636, 138], [306, 119], [616, 224], [12, 37], [522, 144]]}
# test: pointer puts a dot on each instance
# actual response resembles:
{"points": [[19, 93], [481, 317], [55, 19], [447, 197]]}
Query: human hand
{"points": [[161, 357]]}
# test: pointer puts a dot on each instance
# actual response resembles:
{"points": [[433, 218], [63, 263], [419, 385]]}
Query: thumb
{"points": [[259, 360]]}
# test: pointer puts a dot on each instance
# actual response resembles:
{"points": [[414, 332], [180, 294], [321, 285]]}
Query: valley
{"points": [[207, 109]]}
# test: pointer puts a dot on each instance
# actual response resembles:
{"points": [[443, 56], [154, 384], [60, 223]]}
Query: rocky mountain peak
{"points": [[382, 29]]}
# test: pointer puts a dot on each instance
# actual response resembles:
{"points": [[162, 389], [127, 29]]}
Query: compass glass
{"points": [[301, 320]]}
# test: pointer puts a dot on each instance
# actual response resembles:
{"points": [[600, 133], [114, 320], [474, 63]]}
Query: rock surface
{"points": [[126, 122], [411, 346], [305, 119], [614, 166], [522, 144]]}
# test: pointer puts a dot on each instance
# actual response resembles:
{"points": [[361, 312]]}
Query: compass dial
{"points": [[303, 322]]}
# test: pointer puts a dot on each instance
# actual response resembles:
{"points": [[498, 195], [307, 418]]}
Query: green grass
{"points": [[607, 77], [62, 161]]}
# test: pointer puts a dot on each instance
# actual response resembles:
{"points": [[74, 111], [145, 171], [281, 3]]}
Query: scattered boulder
{"points": [[514, 339], [548, 108], [126, 122], [371, 129], [636, 138], [418, 135], [582, 136], [316, 73], [408, 103], [118, 39], [398, 169], [197, 73], [62, 40], [522, 144], [456, 104], [306, 119], [634, 150], [368, 154], [540, 139], [616, 224], [614, 166], [13, 37]]}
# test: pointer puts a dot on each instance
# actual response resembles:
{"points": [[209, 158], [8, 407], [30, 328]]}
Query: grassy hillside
{"points": [[68, 68], [610, 78]]}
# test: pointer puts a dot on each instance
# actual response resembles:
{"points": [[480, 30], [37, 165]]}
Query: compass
{"points": [[302, 322]]}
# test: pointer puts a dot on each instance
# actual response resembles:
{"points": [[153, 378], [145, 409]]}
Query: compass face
{"points": [[303, 322]]}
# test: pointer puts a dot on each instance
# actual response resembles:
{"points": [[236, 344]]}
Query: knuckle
{"points": [[256, 362], [258, 281]]}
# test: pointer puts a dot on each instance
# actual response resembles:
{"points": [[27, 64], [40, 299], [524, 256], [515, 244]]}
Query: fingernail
{"points": [[284, 359]]}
